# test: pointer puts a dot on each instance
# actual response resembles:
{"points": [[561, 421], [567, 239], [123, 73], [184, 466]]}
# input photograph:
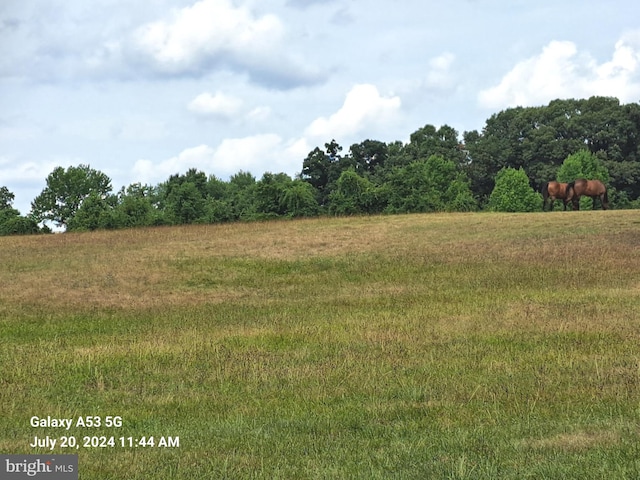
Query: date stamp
{"points": [[69, 440]]}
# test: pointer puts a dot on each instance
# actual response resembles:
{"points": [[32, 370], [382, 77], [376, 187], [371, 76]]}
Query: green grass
{"points": [[422, 346]]}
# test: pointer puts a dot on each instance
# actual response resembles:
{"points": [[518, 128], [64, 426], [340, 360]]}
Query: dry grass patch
{"points": [[576, 441]]}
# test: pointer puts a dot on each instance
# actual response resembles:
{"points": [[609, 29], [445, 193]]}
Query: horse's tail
{"points": [[545, 194], [569, 193], [605, 197]]}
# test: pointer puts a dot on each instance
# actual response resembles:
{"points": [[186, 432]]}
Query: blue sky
{"points": [[142, 90]]}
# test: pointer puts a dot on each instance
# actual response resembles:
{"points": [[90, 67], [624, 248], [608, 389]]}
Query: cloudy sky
{"points": [[142, 90]]}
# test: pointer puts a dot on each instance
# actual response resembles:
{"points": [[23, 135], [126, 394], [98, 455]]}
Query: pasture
{"points": [[422, 346]]}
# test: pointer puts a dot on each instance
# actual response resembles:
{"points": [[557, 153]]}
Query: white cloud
{"points": [[197, 157], [255, 154], [216, 105], [561, 71], [363, 107], [259, 114], [205, 30], [26, 179], [440, 76], [214, 34], [249, 154], [25, 172]]}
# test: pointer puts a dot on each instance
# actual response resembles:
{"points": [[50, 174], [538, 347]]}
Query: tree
{"points": [[322, 168], [539, 139], [582, 164], [241, 196], [354, 195], [269, 193], [428, 141], [6, 198], [299, 200], [95, 212], [182, 198], [512, 192], [185, 204], [431, 185], [136, 207], [65, 192], [369, 156], [11, 223]]}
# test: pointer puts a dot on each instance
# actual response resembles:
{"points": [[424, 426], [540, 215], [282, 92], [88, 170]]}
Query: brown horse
{"points": [[590, 188], [552, 191]]}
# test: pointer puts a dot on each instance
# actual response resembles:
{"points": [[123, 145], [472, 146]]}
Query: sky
{"points": [[144, 90]]}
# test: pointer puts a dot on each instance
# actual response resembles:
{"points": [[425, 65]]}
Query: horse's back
{"points": [[557, 189], [598, 187], [591, 187]]}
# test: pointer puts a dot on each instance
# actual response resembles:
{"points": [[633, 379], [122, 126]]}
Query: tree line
{"points": [[500, 168]]}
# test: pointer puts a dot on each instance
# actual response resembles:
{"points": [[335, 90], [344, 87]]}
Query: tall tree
{"points": [[66, 190], [428, 141], [322, 168], [541, 138], [434, 184], [369, 156]]}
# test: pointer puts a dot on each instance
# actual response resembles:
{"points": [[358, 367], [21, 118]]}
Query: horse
{"points": [[590, 188], [554, 190]]}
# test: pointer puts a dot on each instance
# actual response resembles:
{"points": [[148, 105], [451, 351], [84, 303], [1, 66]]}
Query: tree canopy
{"points": [[498, 168]]}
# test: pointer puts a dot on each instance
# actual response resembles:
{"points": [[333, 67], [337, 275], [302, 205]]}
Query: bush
{"points": [[512, 193]]}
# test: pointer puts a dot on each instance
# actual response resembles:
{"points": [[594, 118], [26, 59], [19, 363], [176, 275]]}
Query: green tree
{"points": [[434, 184], [354, 195], [369, 157], [322, 168], [429, 141], [95, 212], [182, 198], [11, 222], [136, 207], [269, 194], [6, 198], [241, 196], [582, 164], [539, 139], [66, 190], [185, 204], [512, 192], [299, 200]]}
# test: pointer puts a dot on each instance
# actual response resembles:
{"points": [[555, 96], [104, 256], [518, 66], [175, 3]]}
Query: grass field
{"points": [[450, 346]]}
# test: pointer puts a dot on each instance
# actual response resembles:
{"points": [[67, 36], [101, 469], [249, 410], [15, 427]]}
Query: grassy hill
{"points": [[420, 346]]}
